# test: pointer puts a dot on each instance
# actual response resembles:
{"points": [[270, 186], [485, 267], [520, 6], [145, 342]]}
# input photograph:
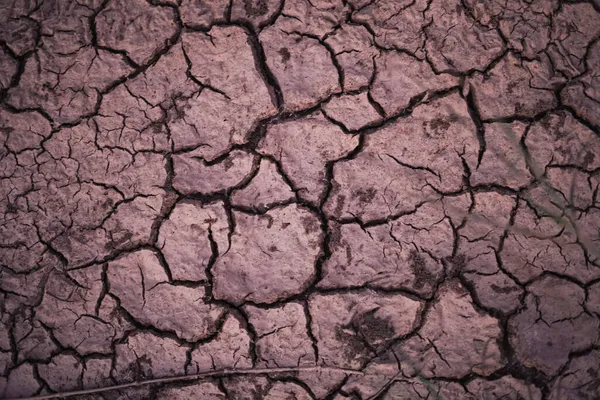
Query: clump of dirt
{"points": [[419, 268]]}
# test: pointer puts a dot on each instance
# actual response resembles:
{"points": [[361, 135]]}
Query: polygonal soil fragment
{"points": [[408, 389], [507, 90], [553, 325], [506, 387], [363, 188], [265, 190], [479, 389], [21, 382], [304, 147], [302, 66], [62, 374], [249, 387], [457, 44], [223, 59], [525, 25], [141, 285], [21, 252], [283, 340], [235, 100], [584, 94], [67, 86], [197, 391], [8, 68], [401, 164], [145, 356], [287, 390], [194, 175], [229, 349], [272, 256], [87, 221], [574, 27], [581, 379], [565, 150], [351, 327], [481, 233], [570, 187], [143, 392], [573, 187], [164, 80], [6, 355], [352, 111], [406, 254], [315, 18], [468, 342], [539, 244], [102, 204], [354, 51], [186, 238], [131, 123], [565, 187], [135, 27], [504, 161], [593, 301], [96, 373], [378, 374], [22, 131], [397, 24], [203, 14], [256, 12], [209, 124], [132, 222], [18, 32], [401, 77], [32, 339], [560, 140], [322, 382], [588, 234], [497, 292], [108, 167], [27, 287], [71, 308], [64, 26]]}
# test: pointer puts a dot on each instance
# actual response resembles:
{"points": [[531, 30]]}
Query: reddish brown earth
{"points": [[408, 189]]}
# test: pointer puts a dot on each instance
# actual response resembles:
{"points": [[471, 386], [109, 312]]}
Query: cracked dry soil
{"points": [[409, 189]]}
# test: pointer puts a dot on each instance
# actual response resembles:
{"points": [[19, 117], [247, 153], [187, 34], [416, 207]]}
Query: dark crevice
{"points": [[480, 129]]}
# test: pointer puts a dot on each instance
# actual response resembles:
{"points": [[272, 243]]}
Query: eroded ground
{"points": [[404, 188]]}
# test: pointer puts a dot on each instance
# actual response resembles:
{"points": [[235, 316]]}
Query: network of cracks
{"points": [[375, 199]]}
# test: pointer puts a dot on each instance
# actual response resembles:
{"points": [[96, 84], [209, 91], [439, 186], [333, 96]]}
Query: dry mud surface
{"points": [[409, 189]]}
